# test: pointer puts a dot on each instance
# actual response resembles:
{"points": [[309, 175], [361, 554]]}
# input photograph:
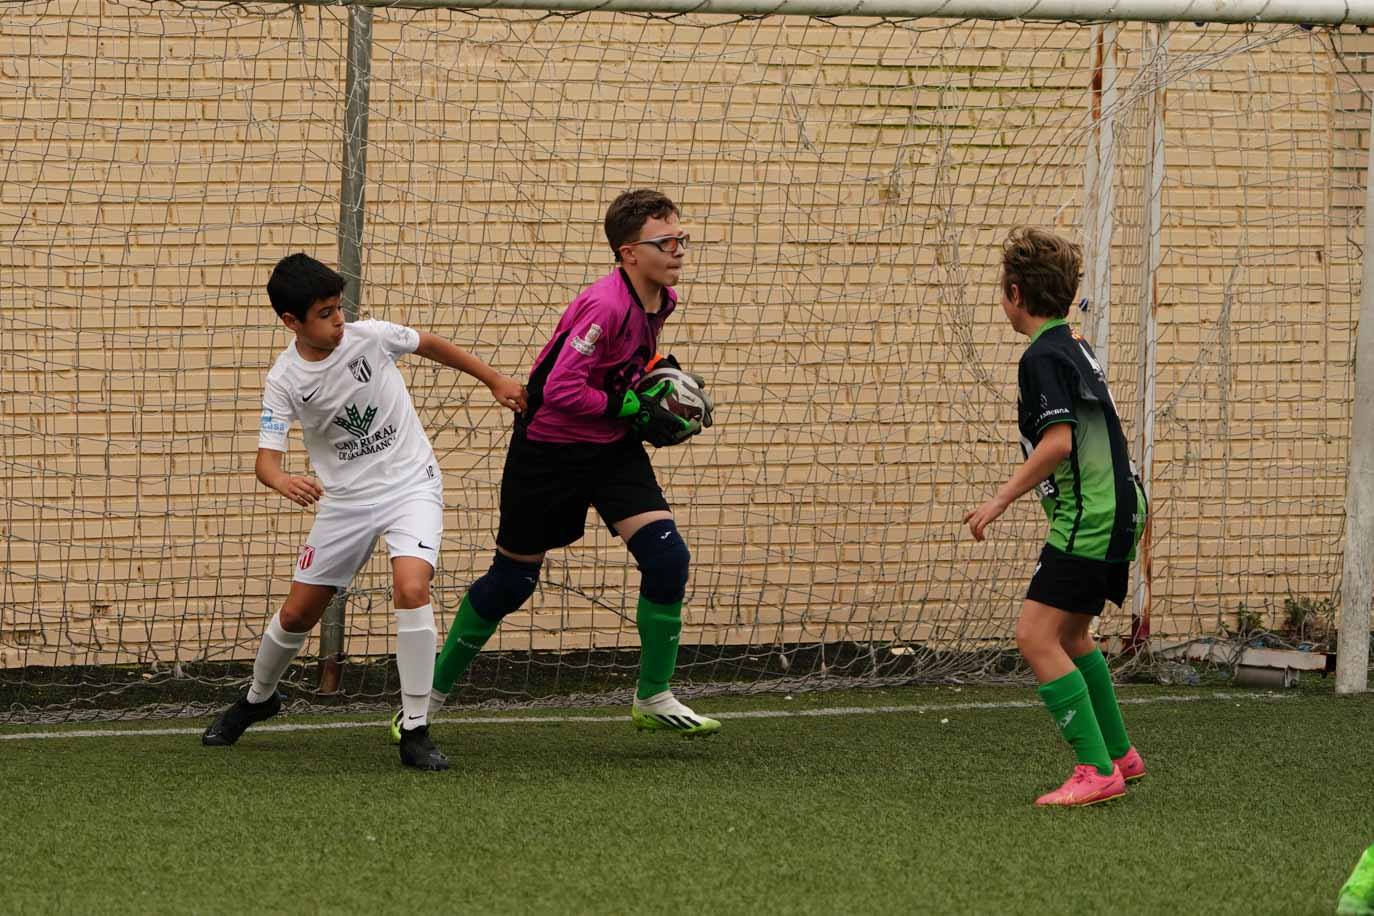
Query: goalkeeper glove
{"points": [[707, 416], [653, 422], [671, 360]]}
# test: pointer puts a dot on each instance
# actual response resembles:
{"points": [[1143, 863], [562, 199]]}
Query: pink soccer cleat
{"points": [[1132, 767], [1085, 787]]}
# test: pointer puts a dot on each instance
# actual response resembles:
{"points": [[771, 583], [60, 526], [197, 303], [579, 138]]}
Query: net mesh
{"points": [[849, 183]]}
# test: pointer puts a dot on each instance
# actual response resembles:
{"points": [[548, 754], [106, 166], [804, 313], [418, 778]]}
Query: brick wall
{"points": [[848, 183]]}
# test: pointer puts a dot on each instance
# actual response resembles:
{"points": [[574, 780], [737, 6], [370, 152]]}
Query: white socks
{"points": [[436, 701], [416, 643], [274, 655]]}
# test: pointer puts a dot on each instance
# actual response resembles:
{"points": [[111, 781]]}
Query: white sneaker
{"points": [[662, 712]]}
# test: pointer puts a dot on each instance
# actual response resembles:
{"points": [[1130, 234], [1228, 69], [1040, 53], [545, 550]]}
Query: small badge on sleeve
{"points": [[269, 424], [587, 343]]}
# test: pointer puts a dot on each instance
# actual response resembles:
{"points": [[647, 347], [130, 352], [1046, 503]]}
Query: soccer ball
{"points": [[687, 399]]}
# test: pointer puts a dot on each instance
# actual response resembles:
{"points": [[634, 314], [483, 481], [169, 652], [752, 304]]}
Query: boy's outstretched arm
{"points": [[1056, 444], [507, 391], [299, 489]]}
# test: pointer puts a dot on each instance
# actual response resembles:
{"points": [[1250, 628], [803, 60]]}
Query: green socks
{"points": [[467, 636], [1083, 703], [659, 628], [1072, 709], [1108, 711], [660, 625]]}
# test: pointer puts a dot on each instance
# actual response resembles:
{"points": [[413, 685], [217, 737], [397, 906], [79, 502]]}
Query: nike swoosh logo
{"points": [[413, 718], [664, 536], [305, 398], [424, 545]]}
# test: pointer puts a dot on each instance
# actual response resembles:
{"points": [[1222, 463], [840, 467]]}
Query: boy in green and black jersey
{"points": [[1076, 457]]}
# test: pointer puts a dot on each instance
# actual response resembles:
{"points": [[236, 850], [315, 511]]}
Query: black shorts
{"points": [[547, 487], [1076, 584]]}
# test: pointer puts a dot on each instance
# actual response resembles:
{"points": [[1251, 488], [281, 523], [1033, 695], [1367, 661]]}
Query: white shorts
{"points": [[342, 538]]}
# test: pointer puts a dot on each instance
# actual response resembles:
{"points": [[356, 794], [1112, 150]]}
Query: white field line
{"points": [[380, 721]]}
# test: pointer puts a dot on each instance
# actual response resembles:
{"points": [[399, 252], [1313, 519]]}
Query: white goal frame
{"points": [[1357, 580]]}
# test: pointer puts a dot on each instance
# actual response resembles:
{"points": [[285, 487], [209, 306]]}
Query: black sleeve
{"points": [[1047, 386]]}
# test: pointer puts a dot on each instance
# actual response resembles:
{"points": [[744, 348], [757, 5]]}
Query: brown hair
{"points": [[1044, 267], [628, 213]]}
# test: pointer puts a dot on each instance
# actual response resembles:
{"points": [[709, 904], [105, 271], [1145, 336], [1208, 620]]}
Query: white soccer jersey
{"points": [[360, 427]]}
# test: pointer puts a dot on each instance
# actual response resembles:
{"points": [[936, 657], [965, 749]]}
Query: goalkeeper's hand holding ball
{"points": [[653, 422]]}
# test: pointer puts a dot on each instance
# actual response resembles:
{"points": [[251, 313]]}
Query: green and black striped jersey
{"points": [[1094, 501]]}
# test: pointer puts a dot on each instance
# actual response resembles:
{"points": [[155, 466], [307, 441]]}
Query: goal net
{"points": [[847, 184]]}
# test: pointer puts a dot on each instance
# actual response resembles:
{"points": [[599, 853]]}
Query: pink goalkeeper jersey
{"points": [[599, 349]]}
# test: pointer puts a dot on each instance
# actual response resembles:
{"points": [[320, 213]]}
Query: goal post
{"points": [[352, 216], [1357, 580], [1238, 12], [848, 171]]}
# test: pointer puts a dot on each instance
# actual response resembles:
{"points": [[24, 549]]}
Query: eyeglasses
{"points": [[668, 244]]}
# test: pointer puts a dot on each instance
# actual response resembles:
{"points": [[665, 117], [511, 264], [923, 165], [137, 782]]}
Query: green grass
{"points": [[1253, 805]]}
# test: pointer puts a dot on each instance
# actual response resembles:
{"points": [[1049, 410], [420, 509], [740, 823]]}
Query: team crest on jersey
{"points": [[307, 557], [355, 421], [587, 343], [360, 369]]}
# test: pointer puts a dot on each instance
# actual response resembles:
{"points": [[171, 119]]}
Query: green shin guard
{"points": [[467, 636], [1068, 702], [1108, 711], [659, 625]]}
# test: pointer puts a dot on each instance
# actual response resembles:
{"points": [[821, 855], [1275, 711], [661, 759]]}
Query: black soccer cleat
{"points": [[417, 750], [234, 721]]}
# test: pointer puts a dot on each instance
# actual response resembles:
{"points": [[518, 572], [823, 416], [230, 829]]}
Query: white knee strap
{"points": [[415, 619]]}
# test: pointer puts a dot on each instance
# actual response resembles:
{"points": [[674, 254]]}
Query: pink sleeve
{"points": [[585, 338]]}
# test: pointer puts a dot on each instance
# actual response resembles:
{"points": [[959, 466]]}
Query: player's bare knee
{"points": [[1032, 639], [304, 606], [664, 561], [410, 594], [296, 619]]}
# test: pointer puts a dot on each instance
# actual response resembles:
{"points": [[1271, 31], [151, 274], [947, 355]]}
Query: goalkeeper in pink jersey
{"points": [[579, 444]]}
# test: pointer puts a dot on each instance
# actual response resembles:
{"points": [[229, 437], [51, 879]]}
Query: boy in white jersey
{"points": [[380, 479]]}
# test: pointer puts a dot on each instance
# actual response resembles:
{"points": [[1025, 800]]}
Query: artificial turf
{"points": [[1254, 803]]}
